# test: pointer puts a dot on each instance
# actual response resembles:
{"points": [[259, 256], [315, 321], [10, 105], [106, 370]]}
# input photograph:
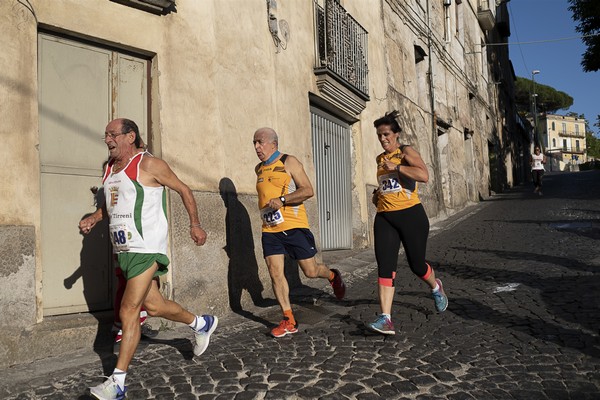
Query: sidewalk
{"points": [[522, 273]]}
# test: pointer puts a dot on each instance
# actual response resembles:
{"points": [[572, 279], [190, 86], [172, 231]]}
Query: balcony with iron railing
{"points": [[486, 14], [571, 134], [341, 56], [568, 149]]}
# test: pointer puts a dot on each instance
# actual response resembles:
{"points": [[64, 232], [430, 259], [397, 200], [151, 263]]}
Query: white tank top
{"points": [[537, 161], [138, 218]]}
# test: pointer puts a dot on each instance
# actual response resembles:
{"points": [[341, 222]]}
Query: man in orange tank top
{"points": [[283, 186]]}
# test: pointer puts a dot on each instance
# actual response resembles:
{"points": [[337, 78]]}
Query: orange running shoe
{"points": [[284, 328]]}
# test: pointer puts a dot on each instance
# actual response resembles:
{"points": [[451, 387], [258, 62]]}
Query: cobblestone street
{"points": [[522, 273]]}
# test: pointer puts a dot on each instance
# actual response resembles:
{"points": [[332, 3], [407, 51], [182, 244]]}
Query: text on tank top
{"points": [[137, 213]]}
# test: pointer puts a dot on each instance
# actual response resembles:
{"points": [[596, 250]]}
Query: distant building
{"points": [[563, 138]]}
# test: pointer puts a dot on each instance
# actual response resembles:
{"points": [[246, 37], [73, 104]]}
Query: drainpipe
{"points": [[430, 72], [437, 166]]}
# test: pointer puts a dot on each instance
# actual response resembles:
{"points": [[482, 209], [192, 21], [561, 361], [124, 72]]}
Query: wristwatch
{"points": [[282, 199]]}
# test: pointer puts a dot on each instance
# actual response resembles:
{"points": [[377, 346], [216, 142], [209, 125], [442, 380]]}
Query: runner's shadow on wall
{"points": [[242, 272], [94, 265]]}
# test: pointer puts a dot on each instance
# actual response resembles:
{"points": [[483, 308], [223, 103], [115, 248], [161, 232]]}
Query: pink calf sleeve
{"points": [[428, 273], [389, 282]]}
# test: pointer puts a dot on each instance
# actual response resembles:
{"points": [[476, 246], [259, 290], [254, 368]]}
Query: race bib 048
{"points": [[119, 236]]}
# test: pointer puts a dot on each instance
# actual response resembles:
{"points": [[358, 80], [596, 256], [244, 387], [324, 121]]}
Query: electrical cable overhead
{"points": [[542, 41], [512, 20]]}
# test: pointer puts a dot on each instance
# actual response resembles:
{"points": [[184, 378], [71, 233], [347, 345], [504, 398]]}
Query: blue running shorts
{"points": [[298, 243]]}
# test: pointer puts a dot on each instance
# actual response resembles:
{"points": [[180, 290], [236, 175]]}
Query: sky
{"points": [[559, 61]]}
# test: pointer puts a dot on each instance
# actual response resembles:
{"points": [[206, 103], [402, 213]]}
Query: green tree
{"points": [[548, 99], [587, 14], [592, 143]]}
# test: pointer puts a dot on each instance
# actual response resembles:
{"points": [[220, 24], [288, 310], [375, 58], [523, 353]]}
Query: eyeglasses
{"points": [[114, 135]]}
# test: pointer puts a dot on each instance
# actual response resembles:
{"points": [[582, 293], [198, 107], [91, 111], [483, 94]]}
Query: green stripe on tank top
{"points": [[137, 211], [164, 202]]}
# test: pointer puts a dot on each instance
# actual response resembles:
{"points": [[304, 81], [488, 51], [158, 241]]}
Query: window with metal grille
{"points": [[341, 45]]}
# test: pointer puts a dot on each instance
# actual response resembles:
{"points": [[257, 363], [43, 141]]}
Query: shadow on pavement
{"points": [[576, 339], [566, 262], [185, 347], [586, 227], [573, 299]]}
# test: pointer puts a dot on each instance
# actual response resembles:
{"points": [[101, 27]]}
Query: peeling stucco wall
{"points": [[17, 276]]}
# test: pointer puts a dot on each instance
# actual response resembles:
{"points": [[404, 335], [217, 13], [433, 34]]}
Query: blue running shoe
{"points": [[382, 325], [203, 335], [440, 298], [108, 390]]}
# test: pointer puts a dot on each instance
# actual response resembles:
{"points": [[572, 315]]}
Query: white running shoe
{"points": [[203, 336], [108, 390]]}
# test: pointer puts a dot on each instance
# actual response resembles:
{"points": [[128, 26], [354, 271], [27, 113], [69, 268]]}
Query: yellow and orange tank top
{"points": [[396, 192], [272, 181]]}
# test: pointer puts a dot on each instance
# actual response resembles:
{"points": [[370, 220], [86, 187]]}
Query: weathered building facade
{"points": [[200, 77]]}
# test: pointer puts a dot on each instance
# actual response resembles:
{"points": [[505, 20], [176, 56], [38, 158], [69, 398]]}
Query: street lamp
{"points": [[534, 95]]}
